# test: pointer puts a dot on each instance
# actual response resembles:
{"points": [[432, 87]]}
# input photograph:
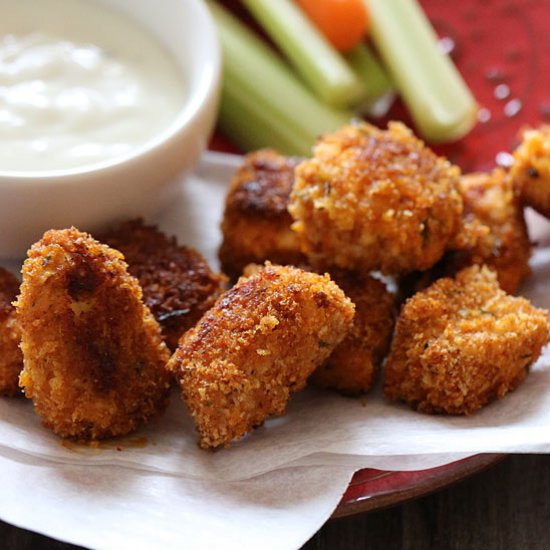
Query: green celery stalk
{"points": [[380, 89], [439, 100], [309, 52], [250, 129], [262, 102]]}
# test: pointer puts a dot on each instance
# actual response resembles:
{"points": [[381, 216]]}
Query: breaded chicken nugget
{"points": [[256, 223], [178, 285], [352, 366], [462, 343], [257, 345], [375, 200], [11, 358], [531, 169], [93, 353], [490, 199]]}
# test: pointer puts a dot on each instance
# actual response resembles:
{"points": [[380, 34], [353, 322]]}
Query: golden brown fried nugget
{"points": [[93, 353], [375, 200], [489, 198], [531, 169], [178, 285], [257, 345], [11, 358], [256, 223], [352, 366], [462, 343]]}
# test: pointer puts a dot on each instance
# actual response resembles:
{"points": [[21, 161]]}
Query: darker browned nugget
{"points": [[531, 169], [257, 345], [11, 358], [352, 366], [256, 223], [462, 343], [375, 200], [93, 353], [178, 285]]}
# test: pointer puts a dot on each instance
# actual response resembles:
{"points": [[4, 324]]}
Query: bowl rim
{"points": [[200, 93]]}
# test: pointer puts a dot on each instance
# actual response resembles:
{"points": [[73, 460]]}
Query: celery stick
{"points": [[263, 103], [380, 89], [440, 103], [250, 129], [309, 52]]}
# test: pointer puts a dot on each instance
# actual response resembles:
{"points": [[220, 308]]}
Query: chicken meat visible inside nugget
{"points": [[178, 285], [531, 169], [257, 345], [490, 199], [352, 366], [11, 358], [375, 200], [256, 223], [463, 343], [93, 353]]}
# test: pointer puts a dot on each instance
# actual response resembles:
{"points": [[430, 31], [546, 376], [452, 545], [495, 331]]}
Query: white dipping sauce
{"points": [[79, 84]]}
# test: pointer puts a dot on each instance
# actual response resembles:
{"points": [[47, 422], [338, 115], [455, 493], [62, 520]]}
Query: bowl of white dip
{"points": [[104, 106]]}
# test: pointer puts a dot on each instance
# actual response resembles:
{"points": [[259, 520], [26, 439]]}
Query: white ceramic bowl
{"points": [[138, 184]]}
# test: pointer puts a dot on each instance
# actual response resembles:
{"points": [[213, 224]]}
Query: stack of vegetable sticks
{"points": [[286, 99]]}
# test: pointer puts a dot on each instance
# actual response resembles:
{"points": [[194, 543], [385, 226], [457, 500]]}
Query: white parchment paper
{"points": [[286, 477]]}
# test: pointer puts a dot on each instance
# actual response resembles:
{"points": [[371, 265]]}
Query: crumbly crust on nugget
{"points": [[257, 345], [178, 285], [11, 358], [375, 200], [463, 343], [256, 223], [490, 199], [531, 169], [93, 353], [493, 232], [352, 366]]}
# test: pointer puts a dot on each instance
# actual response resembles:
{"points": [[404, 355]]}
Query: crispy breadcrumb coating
{"points": [[493, 233], [11, 358], [463, 343], [256, 223], [490, 199], [257, 345], [93, 353], [178, 285], [352, 366], [375, 200], [531, 169]]}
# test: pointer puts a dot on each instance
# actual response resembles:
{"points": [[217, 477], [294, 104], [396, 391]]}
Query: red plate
{"points": [[502, 48], [376, 489]]}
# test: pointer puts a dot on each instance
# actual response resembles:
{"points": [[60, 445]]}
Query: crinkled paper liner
{"points": [[277, 486]]}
